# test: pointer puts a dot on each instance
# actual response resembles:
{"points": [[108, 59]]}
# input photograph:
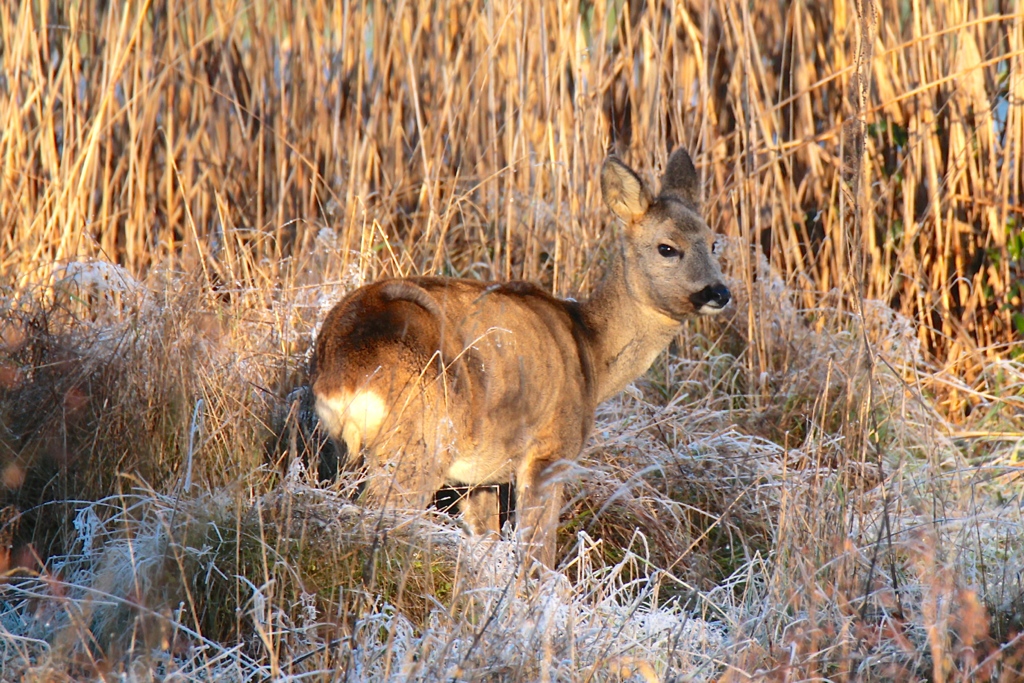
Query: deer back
{"points": [[502, 360]]}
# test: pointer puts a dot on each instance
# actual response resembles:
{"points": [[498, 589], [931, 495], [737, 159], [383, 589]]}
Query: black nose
{"points": [[714, 297]]}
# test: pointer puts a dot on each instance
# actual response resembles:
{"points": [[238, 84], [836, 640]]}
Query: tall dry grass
{"points": [[186, 187], [222, 138], [226, 136]]}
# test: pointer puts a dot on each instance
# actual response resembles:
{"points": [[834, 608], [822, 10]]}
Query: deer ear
{"points": [[681, 179], [623, 191]]}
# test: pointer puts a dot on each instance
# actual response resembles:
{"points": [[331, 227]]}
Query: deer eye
{"points": [[715, 246], [667, 251]]}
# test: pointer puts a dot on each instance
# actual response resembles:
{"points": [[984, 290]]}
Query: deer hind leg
{"points": [[402, 471], [538, 502], [405, 478], [482, 510], [406, 464]]}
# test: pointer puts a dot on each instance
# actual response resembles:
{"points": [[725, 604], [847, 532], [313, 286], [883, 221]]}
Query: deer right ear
{"points": [[681, 178], [623, 191]]}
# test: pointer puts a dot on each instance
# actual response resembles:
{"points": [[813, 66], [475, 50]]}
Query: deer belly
{"points": [[481, 468]]}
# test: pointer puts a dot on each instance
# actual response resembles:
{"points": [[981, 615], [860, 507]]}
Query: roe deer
{"points": [[441, 381]]}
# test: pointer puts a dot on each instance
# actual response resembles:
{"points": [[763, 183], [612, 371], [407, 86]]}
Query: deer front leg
{"points": [[538, 502]]}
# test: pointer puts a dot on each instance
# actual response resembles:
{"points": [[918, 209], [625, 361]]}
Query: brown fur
{"points": [[453, 381]]}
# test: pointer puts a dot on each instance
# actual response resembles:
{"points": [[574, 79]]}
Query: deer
{"points": [[435, 381]]}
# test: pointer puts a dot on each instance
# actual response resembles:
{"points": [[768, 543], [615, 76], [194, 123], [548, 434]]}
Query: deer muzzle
{"points": [[711, 299]]}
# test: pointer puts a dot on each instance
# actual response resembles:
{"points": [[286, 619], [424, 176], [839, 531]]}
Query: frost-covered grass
{"points": [[828, 519], [149, 572]]}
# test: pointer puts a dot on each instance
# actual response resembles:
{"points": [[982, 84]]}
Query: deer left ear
{"points": [[680, 178], [623, 191]]}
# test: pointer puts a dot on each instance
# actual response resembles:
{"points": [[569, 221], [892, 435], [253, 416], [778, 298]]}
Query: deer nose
{"points": [[711, 299]]}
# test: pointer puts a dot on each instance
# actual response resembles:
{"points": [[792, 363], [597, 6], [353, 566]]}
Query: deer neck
{"points": [[626, 332]]}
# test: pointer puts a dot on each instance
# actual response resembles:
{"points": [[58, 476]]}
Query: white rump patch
{"points": [[354, 419]]}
